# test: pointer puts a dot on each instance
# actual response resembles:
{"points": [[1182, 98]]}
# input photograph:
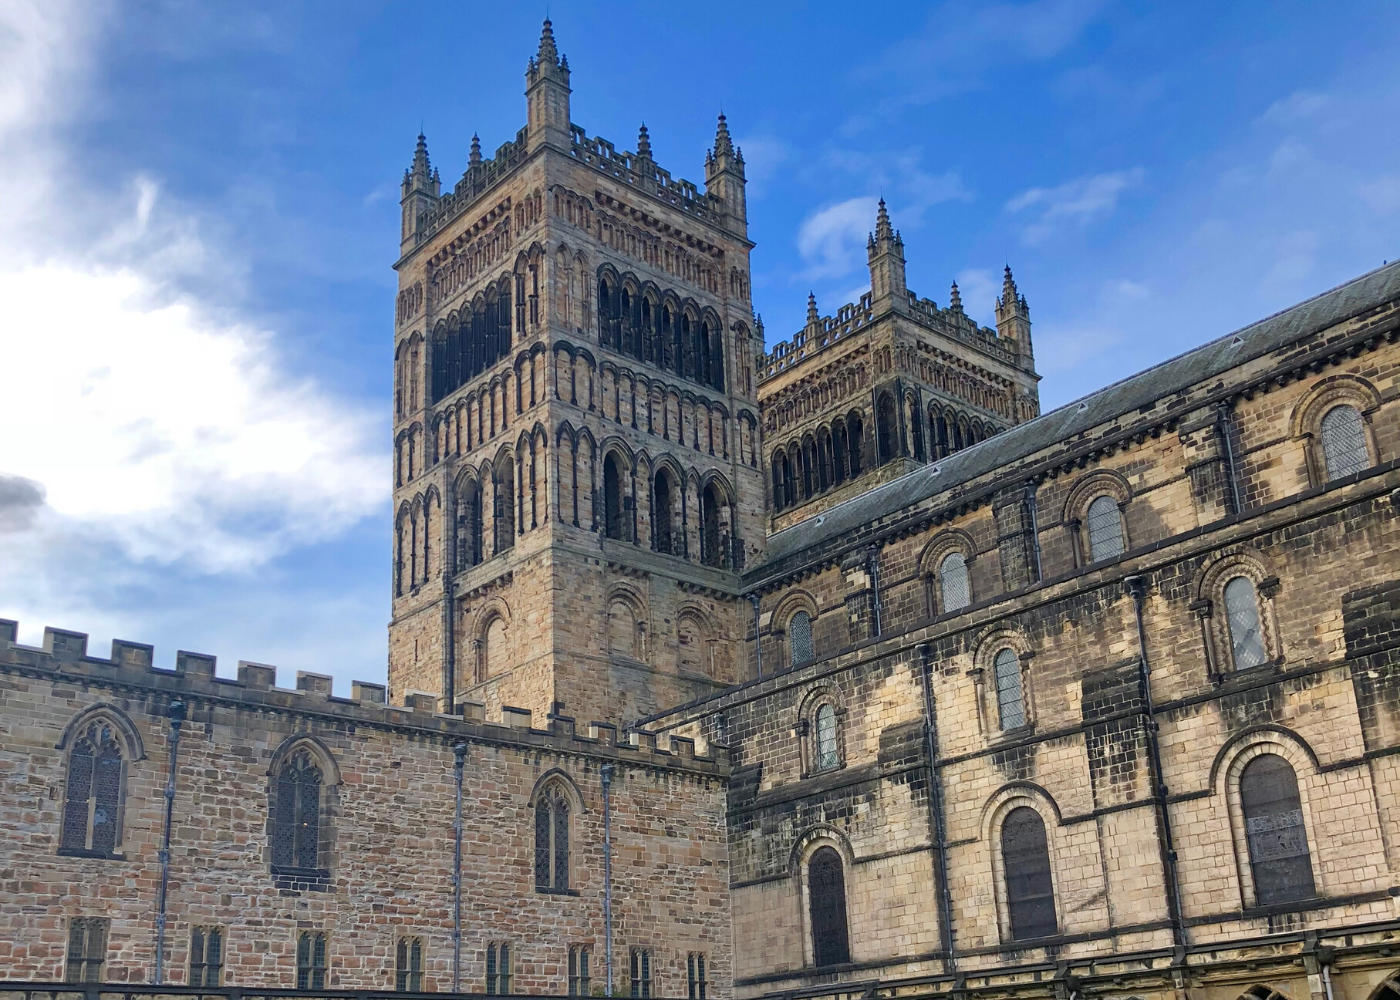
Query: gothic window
{"points": [[1278, 840], [886, 428], [498, 969], [1242, 614], [717, 360], [640, 970], [800, 637], [828, 747], [612, 498], [839, 450], [780, 481], [408, 965], [1011, 704], [552, 840], [826, 888], [296, 828], [503, 513], [661, 513], [711, 539], [92, 808], [206, 956], [580, 984], [1105, 526], [938, 433], [697, 985], [1344, 442], [605, 313], [1030, 894], [469, 526], [87, 949], [311, 960], [953, 582], [855, 434], [810, 482]]}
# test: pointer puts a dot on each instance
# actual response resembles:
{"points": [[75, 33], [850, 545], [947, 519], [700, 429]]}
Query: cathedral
{"points": [[715, 671]]}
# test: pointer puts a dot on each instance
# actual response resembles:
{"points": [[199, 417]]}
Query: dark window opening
{"points": [[1030, 894], [697, 985], [887, 428], [93, 800], [469, 527], [661, 513], [498, 969], [87, 949], [641, 972], [826, 887], [580, 984], [206, 956], [311, 960], [552, 841], [1278, 838], [612, 498], [297, 821], [711, 537], [408, 966], [504, 510]]}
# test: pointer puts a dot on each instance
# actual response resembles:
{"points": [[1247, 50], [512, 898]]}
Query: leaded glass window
{"points": [[1242, 611], [826, 887], [552, 840], [206, 956], [1011, 703], [640, 972], [828, 751], [800, 637], [580, 985], [87, 949], [296, 829], [953, 582], [92, 803], [697, 986], [1030, 893], [408, 966], [498, 969], [1344, 442], [1278, 840], [311, 960], [1105, 524]]}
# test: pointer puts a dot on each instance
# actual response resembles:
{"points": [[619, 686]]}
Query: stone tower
{"points": [[577, 472]]}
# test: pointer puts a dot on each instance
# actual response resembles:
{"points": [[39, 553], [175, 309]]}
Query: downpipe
{"points": [[757, 639], [607, 774], [935, 797], [460, 752], [177, 719], [872, 562]]}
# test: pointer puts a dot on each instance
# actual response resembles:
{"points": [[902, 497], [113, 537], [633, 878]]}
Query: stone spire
{"points": [[643, 142], [955, 299], [724, 178], [475, 159], [1014, 320], [547, 95], [812, 315], [421, 168], [419, 191], [723, 144], [885, 250]]}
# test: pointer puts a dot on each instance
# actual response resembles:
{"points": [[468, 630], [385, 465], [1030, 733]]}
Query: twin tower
{"points": [[583, 467]]}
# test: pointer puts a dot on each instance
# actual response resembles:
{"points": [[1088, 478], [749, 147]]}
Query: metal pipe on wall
{"points": [[757, 639], [607, 773], [935, 807], [177, 718], [460, 752]]}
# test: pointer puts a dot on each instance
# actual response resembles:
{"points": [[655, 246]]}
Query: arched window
{"points": [[1242, 613], [953, 582], [612, 498], [800, 637], [469, 547], [828, 749], [605, 312], [408, 966], [780, 480], [886, 428], [838, 453], [826, 888], [552, 840], [1278, 839], [1105, 525], [1344, 442], [661, 513], [711, 541], [1011, 702], [1030, 893], [311, 960], [504, 510], [92, 807], [296, 829], [855, 442]]}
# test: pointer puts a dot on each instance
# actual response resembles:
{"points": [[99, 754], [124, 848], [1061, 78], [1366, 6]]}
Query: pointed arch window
{"points": [[1030, 893], [826, 888], [800, 637], [1011, 701], [1344, 442], [1278, 841], [296, 832], [953, 582], [1242, 613], [92, 806], [311, 960], [552, 841]]}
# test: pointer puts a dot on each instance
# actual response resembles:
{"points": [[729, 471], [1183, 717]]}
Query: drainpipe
{"points": [[177, 718], [935, 809], [872, 561], [607, 870], [757, 642], [449, 615], [1222, 425], [460, 752], [1035, 529], [1136, 588]]}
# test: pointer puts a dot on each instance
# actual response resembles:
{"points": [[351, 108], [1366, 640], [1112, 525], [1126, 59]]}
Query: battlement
{"points": [[853, 316], [65, 653], [479, 177], [641, 172]]}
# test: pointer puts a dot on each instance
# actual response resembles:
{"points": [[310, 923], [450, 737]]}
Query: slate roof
{"points": [[1207, 361]]}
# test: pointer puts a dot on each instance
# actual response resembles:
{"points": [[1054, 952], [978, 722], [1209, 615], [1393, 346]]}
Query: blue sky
{"points": [[198, 214]]}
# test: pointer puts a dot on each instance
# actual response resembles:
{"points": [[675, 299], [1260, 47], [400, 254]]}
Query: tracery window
{"points": [[311, 960], [1030, 893], [408, 965], [92, 807], [1278, 841], [1105, 526], [206, 956], [1011, 703], [828, 746], [953, 582], [1242, 613], [1344, 442], [826, 889], [800, 637], [552, 840], [498, 971], [87, 949], [296, 831]]}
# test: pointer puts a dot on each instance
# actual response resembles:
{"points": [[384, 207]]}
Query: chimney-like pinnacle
{"points": [[643, 142], [475, 158], [955, 299], [812, 316]]}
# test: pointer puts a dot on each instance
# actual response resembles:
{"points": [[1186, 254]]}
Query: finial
{"points": [[1008, 286], [548, 51], [882, 223], [475, 158], [643, 142], [723, 144], [812, 316], [421, 164], [955, 299]]}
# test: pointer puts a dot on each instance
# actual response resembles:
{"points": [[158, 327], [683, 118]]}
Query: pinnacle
{"points": [[883, 231], [548, 51], [955, 299], [476, 150], [723, 143], [643, 142], [812, 314]]}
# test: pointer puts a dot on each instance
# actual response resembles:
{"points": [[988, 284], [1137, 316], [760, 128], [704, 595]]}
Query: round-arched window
{"points": [[1278, 840], [1030, 891], [1344, 442], [953, 582], [1105, 525], [800, 637], [828, 752], [1011, 703], [1242, 612]]}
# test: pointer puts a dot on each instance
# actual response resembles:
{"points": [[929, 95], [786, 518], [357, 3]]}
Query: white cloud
{"points": [[979, 289], [150, 435], [1077, 202], [832, 241], [1300, 106]]}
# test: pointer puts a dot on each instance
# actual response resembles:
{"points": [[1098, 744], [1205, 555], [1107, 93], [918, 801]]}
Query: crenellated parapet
{"points": [[131, 666]]}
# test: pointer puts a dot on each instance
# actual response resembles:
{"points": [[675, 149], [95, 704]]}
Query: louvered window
{"points": [[297, 825], [1242, 611], [828, 751], [1105, 524], [1030, 894], [551, 840], [408, 966], [311, 960], [1011, 704], [953, 582], [826, 887], [87, 949], [91, 811], [206, 956], [800, 637], [1278, 840], [1344, 442]]}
